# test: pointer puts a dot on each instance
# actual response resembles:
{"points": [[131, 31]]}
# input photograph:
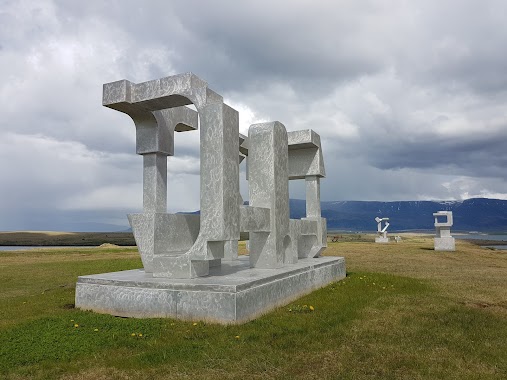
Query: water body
{"points": [[501, 247], [481, 237]]}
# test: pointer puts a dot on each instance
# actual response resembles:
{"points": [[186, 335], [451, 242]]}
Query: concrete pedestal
{"points": [[381, 239], [446, 243], [232, 293]]}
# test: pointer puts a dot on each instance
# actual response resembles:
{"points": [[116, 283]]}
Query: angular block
{"points": [[162, 233], [445, 244], [232, 293], [255, 219], [305, 154]]}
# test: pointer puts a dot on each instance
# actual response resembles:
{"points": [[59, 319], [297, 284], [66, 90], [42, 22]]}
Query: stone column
{"points": [[154, 182], [230, 250], [269, 188], [312, 196]]}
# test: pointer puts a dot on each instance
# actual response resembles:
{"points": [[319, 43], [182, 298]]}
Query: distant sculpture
{"points": [[178, 250], [382, 232], [443, 239]]}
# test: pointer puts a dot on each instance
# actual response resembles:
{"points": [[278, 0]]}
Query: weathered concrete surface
{"points": [[443, 239], [445, 243], [232, 293], [269, 188], [191, 264], [382, 232]]}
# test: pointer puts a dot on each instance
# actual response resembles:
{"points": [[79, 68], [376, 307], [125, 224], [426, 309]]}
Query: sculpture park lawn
{"points": [[403, 312]]}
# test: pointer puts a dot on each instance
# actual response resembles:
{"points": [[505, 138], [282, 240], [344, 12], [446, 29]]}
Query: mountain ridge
{"points": [[474, 214]]}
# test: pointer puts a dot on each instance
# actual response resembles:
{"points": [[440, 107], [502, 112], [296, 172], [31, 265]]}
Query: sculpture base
{"points": [[381, 240], [232, 293], [445, 244]]}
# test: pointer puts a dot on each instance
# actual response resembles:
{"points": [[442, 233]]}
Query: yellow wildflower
{"points": [[194, 324], [140, 334], [96, 330], [133, 334], [312, 308], [76, 325], [237, 336]]}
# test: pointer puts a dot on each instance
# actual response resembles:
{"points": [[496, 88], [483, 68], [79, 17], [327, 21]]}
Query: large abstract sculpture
{"points": [[187, 248], [382, 232], [443, 239]]}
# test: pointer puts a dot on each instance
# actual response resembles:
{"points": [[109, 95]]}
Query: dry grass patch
{"points": [[471, 275], [68, 254], [55, 238]]}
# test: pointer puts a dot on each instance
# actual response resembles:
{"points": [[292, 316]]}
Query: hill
{"points": [[476, 214]]}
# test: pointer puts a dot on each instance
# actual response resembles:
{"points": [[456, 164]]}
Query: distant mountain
{"points": [[476, 214]]}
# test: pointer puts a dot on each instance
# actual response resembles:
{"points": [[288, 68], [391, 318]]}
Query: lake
{"points": [[481, 237], [501, 247]]}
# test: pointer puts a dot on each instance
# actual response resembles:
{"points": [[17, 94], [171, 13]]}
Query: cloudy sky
{"points": [[410, 98]]}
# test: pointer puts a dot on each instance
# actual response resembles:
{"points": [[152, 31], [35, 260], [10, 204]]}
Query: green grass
{"points": [[373, 324]]}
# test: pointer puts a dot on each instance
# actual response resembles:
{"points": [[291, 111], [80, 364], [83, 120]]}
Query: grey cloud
{"points": [[409, 98]]}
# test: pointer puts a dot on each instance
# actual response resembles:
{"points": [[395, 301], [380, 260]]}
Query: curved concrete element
{"points": [[157, 110], [269, 188]]}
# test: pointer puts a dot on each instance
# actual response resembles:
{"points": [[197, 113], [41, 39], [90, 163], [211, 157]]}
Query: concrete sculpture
{"points": [[443, 239], [382, 232], [191, 264]]}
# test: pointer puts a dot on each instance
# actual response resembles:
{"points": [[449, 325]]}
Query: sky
{"points": [[409, 98]]}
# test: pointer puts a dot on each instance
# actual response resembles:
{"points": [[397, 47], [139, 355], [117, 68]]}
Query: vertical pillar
{"points": [[312, 196], [269, 188], [154, 182], [230, 250]]}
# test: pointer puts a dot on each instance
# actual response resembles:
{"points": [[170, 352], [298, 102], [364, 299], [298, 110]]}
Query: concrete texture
{"points": [[231, 293], [191, 264], [443, 239], [269, 188], [306, 161], [382, 232], [158, 110], [445, 243]]}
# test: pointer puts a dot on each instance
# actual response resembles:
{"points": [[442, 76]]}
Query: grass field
{"points": [[403, 312]]}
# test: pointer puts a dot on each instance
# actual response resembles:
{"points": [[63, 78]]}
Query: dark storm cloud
{"points": [[482, 157], [409, 98], [239, 45]]}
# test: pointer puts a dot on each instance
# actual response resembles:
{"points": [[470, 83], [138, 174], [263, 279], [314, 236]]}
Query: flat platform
{"points": [[231, 293]]}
